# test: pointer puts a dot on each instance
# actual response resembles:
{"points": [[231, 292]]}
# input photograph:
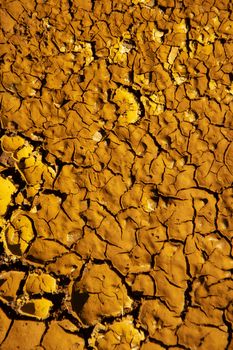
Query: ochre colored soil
{"points": [[116, 175]]}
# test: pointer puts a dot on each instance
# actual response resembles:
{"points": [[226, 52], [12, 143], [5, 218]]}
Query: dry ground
{"points": [[116, 173]]}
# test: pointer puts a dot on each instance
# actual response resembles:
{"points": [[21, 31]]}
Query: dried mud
{"points": [[116, 173]]}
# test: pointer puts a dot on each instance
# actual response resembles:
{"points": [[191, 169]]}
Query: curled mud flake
{"points": [[40, 283], [18, 234], [84, 52], [9, 285], [154, 105], [157, 35], [6, 161], [36, 308], [97, 136], [100, 293], [128, 108], [24, 335], [24, 152], [173, 54], [57, 337], [119, 51], [120, 334], [68, 326], [35, 172], [11, 143], [6, 192]]}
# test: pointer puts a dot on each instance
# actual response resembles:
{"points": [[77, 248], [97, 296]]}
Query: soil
{"points": [[116, 175]]}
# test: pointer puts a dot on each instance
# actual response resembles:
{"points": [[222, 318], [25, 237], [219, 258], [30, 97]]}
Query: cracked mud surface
{"points": [[116, 175]]}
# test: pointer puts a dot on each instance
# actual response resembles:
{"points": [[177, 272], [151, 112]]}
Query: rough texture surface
{"points": [[116, 174]]}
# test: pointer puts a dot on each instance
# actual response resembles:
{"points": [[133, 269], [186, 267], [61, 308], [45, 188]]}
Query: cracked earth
{"points": [[116, 175]]}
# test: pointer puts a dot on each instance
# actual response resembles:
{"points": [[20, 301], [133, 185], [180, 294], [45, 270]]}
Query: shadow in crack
{"points": [[78, 300]]}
